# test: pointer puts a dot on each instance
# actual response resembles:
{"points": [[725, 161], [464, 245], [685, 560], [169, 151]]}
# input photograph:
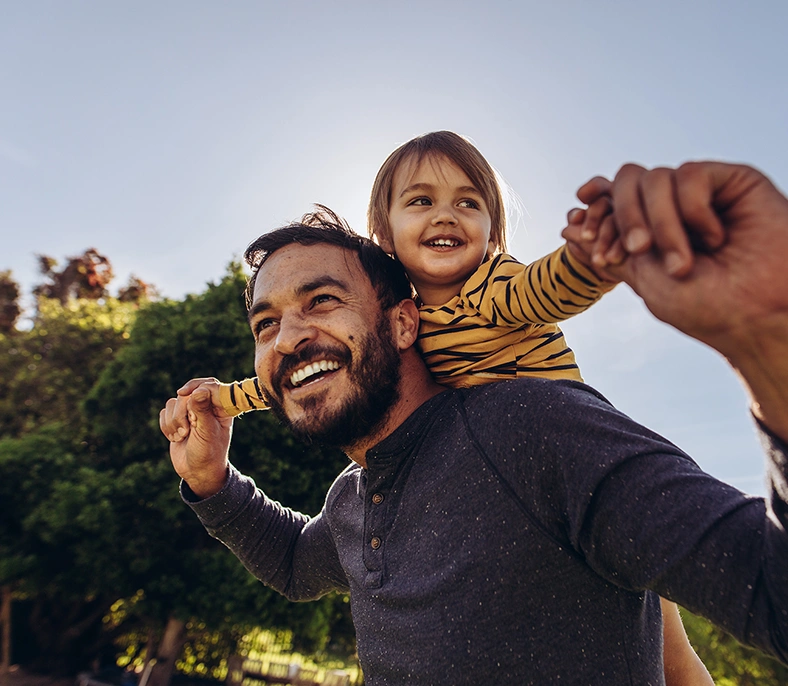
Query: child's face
{"points": [[440, 227]]}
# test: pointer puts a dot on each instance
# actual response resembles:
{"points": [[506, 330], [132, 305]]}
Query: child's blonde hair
{"points": [[431, 146]]}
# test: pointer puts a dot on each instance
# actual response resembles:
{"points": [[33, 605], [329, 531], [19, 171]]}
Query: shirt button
{"points": [[375, 543], [377, 498]]}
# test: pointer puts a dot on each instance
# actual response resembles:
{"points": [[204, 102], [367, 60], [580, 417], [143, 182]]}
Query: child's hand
{"points": [[181, 427], [595, 241]]}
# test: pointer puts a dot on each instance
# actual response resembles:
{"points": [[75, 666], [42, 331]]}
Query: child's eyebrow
{"points": [[429, 187]]}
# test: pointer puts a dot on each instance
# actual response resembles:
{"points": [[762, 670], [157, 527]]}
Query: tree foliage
{"points": [[728, 661], [84, 277], [10, 309], [94, 536]]}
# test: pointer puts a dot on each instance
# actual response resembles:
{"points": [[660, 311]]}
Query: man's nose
{"points": [[294, 331]]}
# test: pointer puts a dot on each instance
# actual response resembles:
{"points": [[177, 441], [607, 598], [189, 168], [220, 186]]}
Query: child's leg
{"points": [[683, 667]]}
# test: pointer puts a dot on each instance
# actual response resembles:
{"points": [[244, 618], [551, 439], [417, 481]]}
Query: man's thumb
{"points": [[199, 404]]}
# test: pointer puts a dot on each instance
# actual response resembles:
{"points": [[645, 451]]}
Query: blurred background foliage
{"points": [[94, 540], [101, 556]]}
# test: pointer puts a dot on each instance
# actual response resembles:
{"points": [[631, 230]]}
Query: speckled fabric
{"points": [[507, 534]]}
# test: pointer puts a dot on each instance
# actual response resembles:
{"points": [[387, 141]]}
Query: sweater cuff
{"points": [[215, 509]]}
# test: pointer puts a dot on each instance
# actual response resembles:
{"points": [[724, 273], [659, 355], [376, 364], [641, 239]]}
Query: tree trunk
{"points": [[5, 623], [170, 648]]}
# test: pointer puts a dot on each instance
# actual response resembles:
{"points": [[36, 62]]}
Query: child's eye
{"points": [[469, 204], [420, 201]]}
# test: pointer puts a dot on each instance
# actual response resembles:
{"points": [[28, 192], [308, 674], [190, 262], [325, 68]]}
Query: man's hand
{"points": [[732, 291], [199, 438]]}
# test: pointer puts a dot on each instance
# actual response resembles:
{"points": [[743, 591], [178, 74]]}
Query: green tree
{"points": [[728, 661], [192, 578], [10, 308], [93, 525], [45, 466], [48, 370], [85, 277]]}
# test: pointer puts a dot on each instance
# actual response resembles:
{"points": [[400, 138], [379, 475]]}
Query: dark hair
{"points": [[436, 145], [385, 273]]}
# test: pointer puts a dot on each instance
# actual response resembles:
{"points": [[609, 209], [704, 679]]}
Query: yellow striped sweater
{"points": [[502, 325]]}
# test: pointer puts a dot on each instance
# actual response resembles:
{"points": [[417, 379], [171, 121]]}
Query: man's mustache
{"points": [[309, 353]]}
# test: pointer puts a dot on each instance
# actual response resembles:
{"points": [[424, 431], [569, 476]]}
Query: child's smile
{"points": [[440, 226]]}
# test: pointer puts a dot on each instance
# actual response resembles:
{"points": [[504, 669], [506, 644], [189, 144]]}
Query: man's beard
{"points": [[374, 379]]}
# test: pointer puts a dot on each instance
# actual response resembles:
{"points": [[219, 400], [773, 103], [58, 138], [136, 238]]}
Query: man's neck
{"points": [[416, 388]]}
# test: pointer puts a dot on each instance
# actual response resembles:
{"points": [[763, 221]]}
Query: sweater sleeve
{"points": [[241, 396], [645, 516], [549, 290], [286, 550], [642, 514]]}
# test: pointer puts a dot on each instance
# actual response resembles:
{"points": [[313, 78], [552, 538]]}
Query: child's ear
{"points": [[492, 246]]}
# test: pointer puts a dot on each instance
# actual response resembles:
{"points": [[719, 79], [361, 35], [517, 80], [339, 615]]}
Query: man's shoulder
{"points": [[531, 390]]}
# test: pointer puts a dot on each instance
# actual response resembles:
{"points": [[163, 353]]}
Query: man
{"points": [[514, 532]]}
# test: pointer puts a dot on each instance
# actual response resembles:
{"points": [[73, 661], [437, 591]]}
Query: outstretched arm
{"points": [[734, 298]]}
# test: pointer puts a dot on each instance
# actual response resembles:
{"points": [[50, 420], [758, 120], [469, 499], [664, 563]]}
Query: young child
{"points": [[437, 207]]}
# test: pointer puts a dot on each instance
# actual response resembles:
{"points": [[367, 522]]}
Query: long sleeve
{"points": [[241, 396], [288, 551], [642, 515], [549, 290]]}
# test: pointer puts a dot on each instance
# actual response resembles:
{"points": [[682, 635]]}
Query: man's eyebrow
{"points": [[303, 289], [322, 282], [428, 187], [257, 308]]}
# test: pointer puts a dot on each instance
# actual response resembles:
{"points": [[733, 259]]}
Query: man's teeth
{"points": [[298, 376], [445, 242]]}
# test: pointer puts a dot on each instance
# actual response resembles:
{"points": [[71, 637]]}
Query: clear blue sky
{"points": [[169, 134]]}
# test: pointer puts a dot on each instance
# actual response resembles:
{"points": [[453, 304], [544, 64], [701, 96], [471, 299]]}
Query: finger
{"points": [[628, 210], [668, 233], [595, 214], [173, 421], [572, 233], [594, 189], [199, 405], [192, 384], [607, 248], [696, 186], [616, 253], [575, 216]]}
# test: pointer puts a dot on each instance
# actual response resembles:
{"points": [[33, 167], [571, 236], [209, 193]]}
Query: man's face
{"points": [[324, 351]]}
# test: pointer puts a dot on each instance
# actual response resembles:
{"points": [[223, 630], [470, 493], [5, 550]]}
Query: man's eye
{"points": [[262, 325], [322, 298]]}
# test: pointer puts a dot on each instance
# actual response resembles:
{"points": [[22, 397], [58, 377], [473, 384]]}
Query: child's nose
{"points": [[444, 214]]}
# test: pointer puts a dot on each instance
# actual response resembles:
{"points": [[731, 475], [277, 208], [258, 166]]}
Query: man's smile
{"points": [[310, 370]]}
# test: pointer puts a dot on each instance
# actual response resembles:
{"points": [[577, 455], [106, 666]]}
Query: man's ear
{"points": [[385, 244], [405, 323]]}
